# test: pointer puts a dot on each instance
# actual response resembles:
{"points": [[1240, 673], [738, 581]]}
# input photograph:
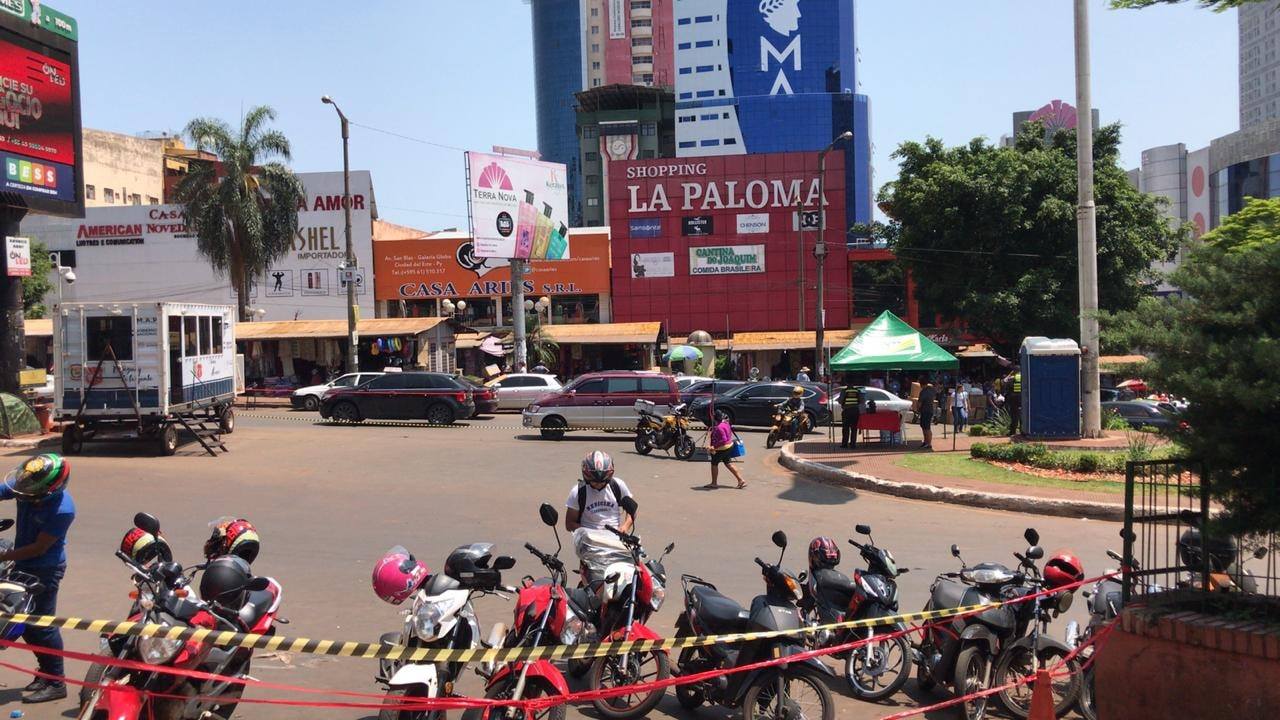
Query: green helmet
{"points": [[39, 477]]}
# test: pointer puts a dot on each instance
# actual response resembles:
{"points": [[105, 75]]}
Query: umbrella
{"points": [[1137, 386], [682, 352]]}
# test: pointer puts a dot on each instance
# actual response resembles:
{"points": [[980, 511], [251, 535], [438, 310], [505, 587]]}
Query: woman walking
{"points": [[960, 408], [720, 443]]}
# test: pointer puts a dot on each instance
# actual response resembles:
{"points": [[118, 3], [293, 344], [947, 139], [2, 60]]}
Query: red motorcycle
{"points": [[544, 615], [230, 599]]}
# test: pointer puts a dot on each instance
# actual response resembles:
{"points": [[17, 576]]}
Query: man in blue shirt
{"points": [[45, 513]]}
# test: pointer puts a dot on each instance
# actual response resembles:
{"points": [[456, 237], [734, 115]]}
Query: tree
{"points": [[541, 348], [989, 233], [242, 209], [38, 285], [1215, 5], [1219, 346]]}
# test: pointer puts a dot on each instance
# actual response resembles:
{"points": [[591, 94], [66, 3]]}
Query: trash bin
{"points": [[1050, 388]]}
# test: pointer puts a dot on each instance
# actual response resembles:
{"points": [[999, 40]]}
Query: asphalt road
{"points": [[330, 500]]}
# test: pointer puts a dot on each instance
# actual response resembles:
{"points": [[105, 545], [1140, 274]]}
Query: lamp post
{"points": [[65, 275], [820, 251], [353, 336]]}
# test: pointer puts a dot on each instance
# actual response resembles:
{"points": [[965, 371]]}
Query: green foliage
{"points": [[1215, 5], [540, 347], [989, 233], [243, 210], [1112, 420], [1040, 456], [1140, 446], [1219, 347], [724, 367], [38, 285], [998, 424]]}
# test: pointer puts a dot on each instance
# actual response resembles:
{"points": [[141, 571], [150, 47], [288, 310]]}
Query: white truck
{"points": [[142, 370]]}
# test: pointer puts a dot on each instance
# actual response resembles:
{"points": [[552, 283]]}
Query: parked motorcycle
{"points": [[1226, 561], [778, 692], [441, 616], [18, 590], [229, 600], [664, 432], [875, 670], [788, 425], [544, 615]]}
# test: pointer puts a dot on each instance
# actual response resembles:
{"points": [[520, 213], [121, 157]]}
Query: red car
{"points": [[602, 400]]}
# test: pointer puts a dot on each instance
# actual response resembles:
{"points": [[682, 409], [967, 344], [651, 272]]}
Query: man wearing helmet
{"points": [[595, 501], [44, 515], [794, 405]]}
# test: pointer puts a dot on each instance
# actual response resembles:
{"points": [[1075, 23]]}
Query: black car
{"points": [[485, 398], [753, 404], [1143, 413], [707, 388], [435, 397]]}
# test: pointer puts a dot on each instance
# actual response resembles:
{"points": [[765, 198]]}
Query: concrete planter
{"points": [[1188, 666]]}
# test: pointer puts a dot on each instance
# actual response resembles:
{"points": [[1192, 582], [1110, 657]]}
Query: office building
{"points": [[1259, 25]]}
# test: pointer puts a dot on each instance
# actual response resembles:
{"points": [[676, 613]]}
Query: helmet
{"points": [[39, 477], [1064, 568], [597, 467], [797, 391], [224, 581], [398, 575], [823, 553], [469, 565], [232, 536], [142, 547]]}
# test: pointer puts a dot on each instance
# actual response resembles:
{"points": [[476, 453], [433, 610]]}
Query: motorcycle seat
{"points": [[256, 606], [835, 589], [950, 594], [717, 611]]}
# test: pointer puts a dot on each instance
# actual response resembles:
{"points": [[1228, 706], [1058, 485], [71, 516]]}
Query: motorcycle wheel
{"points": [[690, 695], [971, 677], [89, 695], [396, 695], [1017, 662], [535, 688], [685, 448], [804, 695], [772, 440], [644, 442], [607, 673], [1086, 705], [883, 674]]}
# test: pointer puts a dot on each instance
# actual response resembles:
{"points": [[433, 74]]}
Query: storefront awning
{"points": [[296, 329], [637, 333], [469, 341], [977, 351], [1105, 361], [39, 328], [786, 340]]}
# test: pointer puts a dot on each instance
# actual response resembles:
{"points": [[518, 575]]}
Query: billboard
{"points": [[518, 207], [653, 265], [726, 260], [40, 143]]}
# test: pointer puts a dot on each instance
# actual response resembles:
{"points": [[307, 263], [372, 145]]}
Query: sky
{"points": [[423, 80]]}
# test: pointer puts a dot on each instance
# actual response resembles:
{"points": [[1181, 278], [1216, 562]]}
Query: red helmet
{"points": [[597, 467], [1064, 568], [232, 536], [823, 553], [142, 547]]}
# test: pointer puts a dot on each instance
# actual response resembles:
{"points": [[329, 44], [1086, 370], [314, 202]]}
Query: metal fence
{"points": [[1167, 509]]}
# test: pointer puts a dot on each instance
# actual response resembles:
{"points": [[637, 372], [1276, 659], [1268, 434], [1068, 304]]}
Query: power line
{"points": [[410, 138], [424, 212]]}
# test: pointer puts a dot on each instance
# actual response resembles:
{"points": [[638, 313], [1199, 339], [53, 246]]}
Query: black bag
{"points": [[582, 496]]}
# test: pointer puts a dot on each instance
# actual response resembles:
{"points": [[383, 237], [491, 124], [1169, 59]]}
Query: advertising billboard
{"points": [[726, 260], [518, 207], [40, 143], [653, 265]]}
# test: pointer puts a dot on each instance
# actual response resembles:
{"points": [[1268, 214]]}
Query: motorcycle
{"points": [[1227, 572], [965, 651], [545, 614], [875, 670], [441, 616], [787, 426], [664, 432], [18, 590], [630, 592], [162, 596], [779, 692]]}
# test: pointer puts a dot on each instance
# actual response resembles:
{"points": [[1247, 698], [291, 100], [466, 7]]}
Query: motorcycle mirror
{"points": [[1031, 536], [862, 529], [670, 547], [504, 562], [780, 539], [1115, 556], [1260, 553], [257, 584], [5, 524], [549, 514], [147, 522], [955, 550], [802, 576], [630, 505], [1035, 552]]}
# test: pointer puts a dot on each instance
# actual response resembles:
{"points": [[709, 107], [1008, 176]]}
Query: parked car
{"points": [[308, 398], [752, 404], [435, 397], [1116, 394], [485, 398], [706, 388], [515, 392], [684, 381], [1143, 413], [604, 400], [884, 400]]}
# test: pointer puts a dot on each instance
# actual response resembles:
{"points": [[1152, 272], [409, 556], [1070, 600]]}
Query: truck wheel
{"points": [[72, 440], [227, 420], [167, 439]]}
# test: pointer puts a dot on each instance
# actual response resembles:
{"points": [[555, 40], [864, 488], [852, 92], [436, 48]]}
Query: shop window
{"points": [[115, 332], [206, 334]]}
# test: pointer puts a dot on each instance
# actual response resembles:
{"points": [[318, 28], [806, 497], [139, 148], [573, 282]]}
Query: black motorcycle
{"points": [[664, 432], [874, 670], [779, 692]]}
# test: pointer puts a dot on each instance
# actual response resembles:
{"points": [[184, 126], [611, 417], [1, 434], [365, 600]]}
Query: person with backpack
{"points": [[596, 500]]}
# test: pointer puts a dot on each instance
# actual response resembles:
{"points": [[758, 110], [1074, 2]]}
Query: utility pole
{"points": [[800, 248], [517, 315], [820, 254], [353, 310], [12, 318], [1086, 229]]}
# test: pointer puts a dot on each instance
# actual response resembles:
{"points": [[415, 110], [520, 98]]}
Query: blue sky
{"points": [[459, 73]]}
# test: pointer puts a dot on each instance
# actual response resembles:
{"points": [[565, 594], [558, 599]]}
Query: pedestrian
{"points": [[44, 515], [850, 413], [960, 408], [928, 396], [1013, 399], [803, 375], [720, 442]]}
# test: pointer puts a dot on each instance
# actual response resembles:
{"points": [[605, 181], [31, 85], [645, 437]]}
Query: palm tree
{"points": [[542, 349], [242, 209]]}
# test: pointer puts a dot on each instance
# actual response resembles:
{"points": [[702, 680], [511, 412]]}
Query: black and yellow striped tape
{"points": [[381, 651]]}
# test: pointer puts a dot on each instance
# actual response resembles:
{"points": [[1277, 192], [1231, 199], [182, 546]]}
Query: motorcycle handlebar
{"points": [[763, 565], [856, 544], [626, 538]]}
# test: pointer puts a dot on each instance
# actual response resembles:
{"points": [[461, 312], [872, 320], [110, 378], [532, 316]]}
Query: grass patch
{"points": [[960, 466], [1083, 461]]}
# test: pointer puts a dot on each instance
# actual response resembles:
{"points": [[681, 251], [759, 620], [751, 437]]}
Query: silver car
{"points": [[515, 392], [884, 400]]}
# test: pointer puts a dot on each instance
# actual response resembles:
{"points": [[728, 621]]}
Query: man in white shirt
{"points": [[595, 502]]}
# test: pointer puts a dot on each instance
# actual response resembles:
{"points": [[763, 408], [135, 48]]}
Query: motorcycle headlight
{"points": [[157, 650], [426, 619], [659, 594], [891, 563], [573, 627]]}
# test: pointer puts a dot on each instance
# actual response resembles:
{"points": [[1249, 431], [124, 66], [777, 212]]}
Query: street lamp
{"points": [[820, 250], [353, 336], [66, 275]]}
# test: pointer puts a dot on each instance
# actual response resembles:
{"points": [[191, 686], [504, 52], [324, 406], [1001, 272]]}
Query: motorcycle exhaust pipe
{"points": [[496, 636]]}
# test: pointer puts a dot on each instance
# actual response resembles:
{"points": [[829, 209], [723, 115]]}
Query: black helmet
{"points": [[470, 566], [225, 581]]}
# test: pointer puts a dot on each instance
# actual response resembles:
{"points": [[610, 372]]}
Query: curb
{"points": [[41, 441], [956, 496]]}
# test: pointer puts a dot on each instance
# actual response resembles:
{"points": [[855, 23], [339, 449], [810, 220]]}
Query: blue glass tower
{"points": [[558, 74]]}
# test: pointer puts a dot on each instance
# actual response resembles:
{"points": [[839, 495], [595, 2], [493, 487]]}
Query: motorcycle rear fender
{"points": [[980, 634], [537, 669], [1044, 642], [812, 663], [417, 674], [637, 631], [121, 702]]}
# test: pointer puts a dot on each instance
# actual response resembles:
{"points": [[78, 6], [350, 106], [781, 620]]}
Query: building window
{"points": [[688, 144], [590, 131], [153, 200], [648, 154], [595, 12], [595, 65], [108, 195], [647, 78], [641, 4], [642, 23], [642, 60], [593, 179], [593, 156], [705, 43], [595, 29], [593, 202], [710, 142], [135, 199], [649, 129], [730, 141], [90, 192], [643, 42], [595, 82]]}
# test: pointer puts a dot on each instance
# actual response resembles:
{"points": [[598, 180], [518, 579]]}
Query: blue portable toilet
{"points": [[1050, 388]]}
